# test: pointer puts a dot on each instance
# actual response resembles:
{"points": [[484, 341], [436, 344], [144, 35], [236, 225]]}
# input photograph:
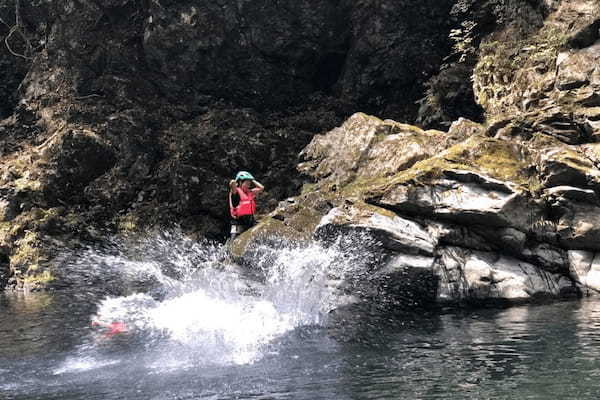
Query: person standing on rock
{"points": [[242, 203]]}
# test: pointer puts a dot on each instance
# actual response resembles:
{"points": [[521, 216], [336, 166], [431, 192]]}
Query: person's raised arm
{"points": [[259, 188]]}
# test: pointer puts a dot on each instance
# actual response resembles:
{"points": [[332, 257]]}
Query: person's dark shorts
{"points": [[242, 224]]}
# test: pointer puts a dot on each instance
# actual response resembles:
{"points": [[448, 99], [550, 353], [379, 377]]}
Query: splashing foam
{"points": [[198, 305]]}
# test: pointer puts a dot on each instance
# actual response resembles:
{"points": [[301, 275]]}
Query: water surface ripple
{"points": [[201, 330]]}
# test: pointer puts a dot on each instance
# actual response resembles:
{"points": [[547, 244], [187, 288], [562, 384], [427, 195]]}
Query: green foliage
{"points": [[504, 66], [463, 39]]}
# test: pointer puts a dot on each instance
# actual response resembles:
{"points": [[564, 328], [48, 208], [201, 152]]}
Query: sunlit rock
{"points": [[469, 217], [584, 268], [572, 193], [568, 167], [578, 68], [471, 199], [394, 232], [474, 275], [579, 227], [367, 147]]}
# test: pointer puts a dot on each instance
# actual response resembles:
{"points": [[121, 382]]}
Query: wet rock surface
{"points": [[479, 219], [126, 115], [131, 114]]}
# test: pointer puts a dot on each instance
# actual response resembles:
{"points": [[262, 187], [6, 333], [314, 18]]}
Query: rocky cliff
{"points": [[505, 210], [127, 114]]}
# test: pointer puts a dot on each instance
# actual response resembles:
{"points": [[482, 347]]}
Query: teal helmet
{"points": [[243, 175]]}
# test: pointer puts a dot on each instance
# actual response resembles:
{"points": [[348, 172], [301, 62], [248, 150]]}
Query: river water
{"points": [[197, 327]]}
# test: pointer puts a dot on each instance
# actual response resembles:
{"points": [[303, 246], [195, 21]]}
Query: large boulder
{"points": [[475, 275], [396, 255], [480, 181], [395, 233], [450, 217], [476, 200], [456, 273], [365, 146]]}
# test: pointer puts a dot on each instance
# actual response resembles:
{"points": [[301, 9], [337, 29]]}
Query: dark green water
{"points": [[200, 328], [47, 351]]}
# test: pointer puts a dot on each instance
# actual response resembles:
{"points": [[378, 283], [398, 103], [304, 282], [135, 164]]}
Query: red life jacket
{"points": [[246, 206], [116, 328], [111, 329]]}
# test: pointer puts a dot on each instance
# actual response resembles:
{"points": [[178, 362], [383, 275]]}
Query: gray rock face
{"points": [[79, 157], [468, 223], [404, 48], [402, 274], [347, 142], [486, 202], [395, 233], [578, 68], [567, 167], [579, 227], [478, 275], [584, 268], [553, 258], [456, 273], [150, 107], [256, 53], [572, 193], [367, 147], [558, 54], [245, 47]]}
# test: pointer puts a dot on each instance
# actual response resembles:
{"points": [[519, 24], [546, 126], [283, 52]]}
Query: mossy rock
{"points": [[245, 248], [495, 158], [294, 221], [391, 231], [367, 147], [570, 166], [30, 262], [31, 241], [38, 281], [509, 71]]}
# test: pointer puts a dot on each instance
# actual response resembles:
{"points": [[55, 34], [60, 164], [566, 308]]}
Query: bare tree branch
{"points": [[12, 31], [18, 27], [4, 22]]}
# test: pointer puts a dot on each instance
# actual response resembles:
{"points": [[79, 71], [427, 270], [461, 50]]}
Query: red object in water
{"points": [[116, 328]]}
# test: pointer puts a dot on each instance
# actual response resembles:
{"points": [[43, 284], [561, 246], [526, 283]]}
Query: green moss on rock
{"points": [[36, 281], [269, 228], [495, 158]]}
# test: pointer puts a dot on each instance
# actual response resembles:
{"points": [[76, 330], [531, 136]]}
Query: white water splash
{"points": [[224, 330], [82, 364], [209, 312]]}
